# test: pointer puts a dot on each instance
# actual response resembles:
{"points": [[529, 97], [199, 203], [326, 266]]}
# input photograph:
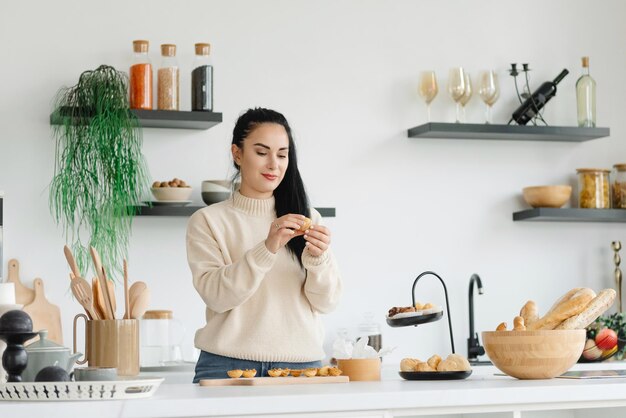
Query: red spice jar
{"points": [[140, 77]]}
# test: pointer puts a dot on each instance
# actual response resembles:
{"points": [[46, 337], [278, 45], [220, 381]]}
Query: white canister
{"points": [[160, 338]]}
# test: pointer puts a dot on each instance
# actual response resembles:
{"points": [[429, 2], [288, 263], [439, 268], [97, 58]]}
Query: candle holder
{"points": [[15, 358]]}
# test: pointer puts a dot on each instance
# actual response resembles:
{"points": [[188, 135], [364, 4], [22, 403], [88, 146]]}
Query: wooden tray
{"points": [[288, 380]]}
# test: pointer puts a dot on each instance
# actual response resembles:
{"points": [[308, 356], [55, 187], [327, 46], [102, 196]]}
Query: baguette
{"points": [[594, 309], [529, 312], [564, 310], [518, 324], [501, 327], [564, 298]]}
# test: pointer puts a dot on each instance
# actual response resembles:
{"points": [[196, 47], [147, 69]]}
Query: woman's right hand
{"points": [[282, 230]]}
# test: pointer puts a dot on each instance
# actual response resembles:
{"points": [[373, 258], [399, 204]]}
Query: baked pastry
{"points": [[306, 225], [501, 327], [296, 372], [518, 324], [274, 372], [335, 371], [323, 371], [310, 372], [408, 364], [423, 367], [400, 309], [529, 312], [234, 373], [434, 361], [454, 363], [285, 372], [249, 373]]}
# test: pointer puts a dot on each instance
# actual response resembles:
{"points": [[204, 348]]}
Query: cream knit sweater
{"points": [[259, 306]]}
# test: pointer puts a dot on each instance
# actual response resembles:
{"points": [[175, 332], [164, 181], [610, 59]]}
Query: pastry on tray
{"points": [[398, 312]]}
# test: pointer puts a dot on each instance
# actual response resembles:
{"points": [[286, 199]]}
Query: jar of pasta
{"points": [[593, 188], [619, 186]]}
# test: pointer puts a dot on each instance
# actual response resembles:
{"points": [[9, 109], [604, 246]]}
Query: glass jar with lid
{"points": [[593, 188], [168, 79], [202, 79], [619, 186], [140, 77]]}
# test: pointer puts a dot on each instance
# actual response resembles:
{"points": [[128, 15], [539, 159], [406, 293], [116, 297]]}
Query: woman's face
{"points": [[263, 160]]}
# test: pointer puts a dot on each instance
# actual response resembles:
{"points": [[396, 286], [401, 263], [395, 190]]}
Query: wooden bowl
{"points": [[541, 354], [547, 196], [362, 369]]}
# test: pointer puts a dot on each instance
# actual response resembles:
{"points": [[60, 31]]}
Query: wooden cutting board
{"points": [[44, 314], [261, 381], [23, 295]]}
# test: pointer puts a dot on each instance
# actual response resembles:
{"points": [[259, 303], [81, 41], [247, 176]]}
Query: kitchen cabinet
{"points": [[175, 119], [571, 215], [483, 131]]}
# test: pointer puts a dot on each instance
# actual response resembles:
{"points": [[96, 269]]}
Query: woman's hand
{"points": [[317, 240], [282, 230]]}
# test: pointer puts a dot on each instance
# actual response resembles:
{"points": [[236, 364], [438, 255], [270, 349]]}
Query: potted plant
{"points": [[100, 172]]}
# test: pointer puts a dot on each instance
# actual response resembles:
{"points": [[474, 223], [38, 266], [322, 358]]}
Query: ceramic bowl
{"points": [[171, 193], [547, 196], [214, 191], [541, 354]]}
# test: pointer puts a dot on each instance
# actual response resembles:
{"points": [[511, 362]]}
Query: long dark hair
{"points": [[290, 196]]}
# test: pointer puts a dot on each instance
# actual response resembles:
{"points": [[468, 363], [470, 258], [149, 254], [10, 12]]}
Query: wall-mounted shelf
{"points": [[143, 210], [175, 119], [507, 132], [571, 215]]}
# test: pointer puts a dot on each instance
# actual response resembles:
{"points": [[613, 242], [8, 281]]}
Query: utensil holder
{"points": [[111, 343]]}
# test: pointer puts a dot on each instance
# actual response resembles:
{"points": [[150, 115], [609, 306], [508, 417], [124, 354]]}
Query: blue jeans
{"points": [[213, 366]]}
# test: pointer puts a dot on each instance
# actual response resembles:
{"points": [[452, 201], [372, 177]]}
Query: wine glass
{"points": [[428, 88], [467, 95], [489, 91], [456, 88]]}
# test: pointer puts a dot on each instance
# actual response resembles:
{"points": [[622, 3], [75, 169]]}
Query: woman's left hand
{"points": [[317, 239]]}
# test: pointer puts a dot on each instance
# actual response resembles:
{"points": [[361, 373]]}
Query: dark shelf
{"points": [[143, 210], [165, 119], [571, 215], [507, 132]]}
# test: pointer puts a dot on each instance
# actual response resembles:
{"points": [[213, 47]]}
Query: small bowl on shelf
{"points": [[171, 193], [540, 354], [214, 191], [547, 196]]}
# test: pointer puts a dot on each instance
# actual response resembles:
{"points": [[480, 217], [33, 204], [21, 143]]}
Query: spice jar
{"points": [[202, 79], [593, 188], [619, 186], [140, 77], [168, 85]]}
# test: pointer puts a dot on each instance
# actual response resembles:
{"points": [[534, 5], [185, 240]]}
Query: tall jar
{"points": [[619, 186], [168, 85], [202, 79], [140, 77], [593, 188]]}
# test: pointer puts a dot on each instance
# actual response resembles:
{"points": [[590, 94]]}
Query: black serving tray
{"points": [[435, 375], [414, 320]]}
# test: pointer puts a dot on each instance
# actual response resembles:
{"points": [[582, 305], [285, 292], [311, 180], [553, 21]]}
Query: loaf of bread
{"points": [[518, 324], [592, 311], [529, 312], [501, 327], [567, 308], [563, 298]]}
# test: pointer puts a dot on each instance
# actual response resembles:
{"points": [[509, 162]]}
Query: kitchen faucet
{"points": [[474, 349]]}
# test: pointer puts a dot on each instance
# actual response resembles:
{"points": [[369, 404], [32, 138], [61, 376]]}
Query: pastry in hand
{"points": [[306, 225]]}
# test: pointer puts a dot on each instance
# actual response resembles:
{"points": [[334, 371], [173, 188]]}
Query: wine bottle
{"points": [[538, 100], [586, 97]]}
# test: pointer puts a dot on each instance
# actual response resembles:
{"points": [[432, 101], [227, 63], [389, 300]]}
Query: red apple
{"points": [[606, 339]]}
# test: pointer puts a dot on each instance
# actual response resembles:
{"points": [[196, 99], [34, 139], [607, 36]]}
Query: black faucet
{"points": [[474, 349]]}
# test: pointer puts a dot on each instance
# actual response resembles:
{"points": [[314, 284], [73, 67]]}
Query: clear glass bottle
{"points": [[593, 188], [619, 186], [586, 97], [202, 79], [168, 79], [140, 82]]}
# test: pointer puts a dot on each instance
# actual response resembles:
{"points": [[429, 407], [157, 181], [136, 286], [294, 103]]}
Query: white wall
{"points": [[345, 74]]}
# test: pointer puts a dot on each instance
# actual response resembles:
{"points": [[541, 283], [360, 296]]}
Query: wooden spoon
{"points": [[82, 292], [139, 299], [126, 297], [98, 300], [108, 309], [71, 261]]}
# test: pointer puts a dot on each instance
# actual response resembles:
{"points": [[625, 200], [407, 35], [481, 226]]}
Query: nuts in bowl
{"points": [[175, 189], [547, 196]]}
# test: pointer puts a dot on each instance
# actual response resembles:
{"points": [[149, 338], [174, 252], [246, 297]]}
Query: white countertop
{"points": [[481, 392]]}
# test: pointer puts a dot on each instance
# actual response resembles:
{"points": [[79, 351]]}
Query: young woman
{"points": [[264, 282]]}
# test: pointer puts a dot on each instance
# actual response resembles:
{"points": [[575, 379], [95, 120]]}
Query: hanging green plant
{"points": [[100, 172]]}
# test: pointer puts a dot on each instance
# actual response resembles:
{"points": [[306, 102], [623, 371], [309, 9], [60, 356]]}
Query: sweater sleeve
{"points": [[323, 282], [223, 286]]}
